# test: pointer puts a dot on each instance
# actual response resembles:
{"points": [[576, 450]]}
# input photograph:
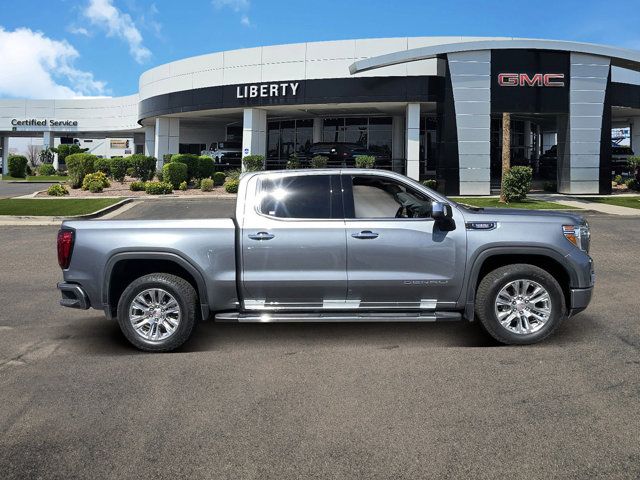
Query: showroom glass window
{"points": [[300, 197]]}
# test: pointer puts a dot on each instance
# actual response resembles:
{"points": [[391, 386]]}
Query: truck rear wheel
{"points": [[520, 304], [157, 312]]}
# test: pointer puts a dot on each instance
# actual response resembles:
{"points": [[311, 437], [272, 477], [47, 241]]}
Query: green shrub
{"points": [[634, 164], [517, 183], [550, 187], [191, 161], [431, 183], [57, 190], [102, 165], [365, 161], [319, 161], [206, 185], [29, 171], [166, 158], [94, 186], [159, 175], [158, 188], [632, 184], [219, 178], [205, 167], [617, 179], [183, 186], [66, 150], [17, 166], [79, 165], [137, 186], [253, 163], [233, 174], [118, 168], [231, 186], [130, 171], [294, 162], [46, 169], [144, 167], [174, 173], [98, 178]]}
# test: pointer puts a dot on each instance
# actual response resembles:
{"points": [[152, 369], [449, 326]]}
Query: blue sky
{"points": [[65, 48]]}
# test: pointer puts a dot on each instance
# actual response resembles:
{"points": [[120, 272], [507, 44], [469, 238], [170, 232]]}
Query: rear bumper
{"points": [[73, 296], [580, 298]]}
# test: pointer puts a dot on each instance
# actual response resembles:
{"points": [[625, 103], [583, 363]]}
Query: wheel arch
{"points": [[492, 258], [124, 267]]}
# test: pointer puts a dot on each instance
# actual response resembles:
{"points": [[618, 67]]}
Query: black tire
{"points": [[186, 298], [491, 285]]}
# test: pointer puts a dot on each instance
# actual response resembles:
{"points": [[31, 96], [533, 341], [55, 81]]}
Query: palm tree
{"points": [[506, 151]]}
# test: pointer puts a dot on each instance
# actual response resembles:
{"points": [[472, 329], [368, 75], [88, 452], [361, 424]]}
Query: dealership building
{"points": [[430, 107]]}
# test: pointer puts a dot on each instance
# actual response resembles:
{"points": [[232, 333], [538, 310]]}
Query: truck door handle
{"points": [[261, 236], [365, 235]]}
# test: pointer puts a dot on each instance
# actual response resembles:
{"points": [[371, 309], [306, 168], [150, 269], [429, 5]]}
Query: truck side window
{"points": [[300, 197], [379, 197]]}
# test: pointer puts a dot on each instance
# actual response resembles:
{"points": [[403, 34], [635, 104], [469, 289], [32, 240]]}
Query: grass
{"points": [[529, 203], [631, 202], [38, 178], [55, 207]]}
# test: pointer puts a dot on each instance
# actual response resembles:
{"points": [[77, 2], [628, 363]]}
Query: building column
{"points": [[634, 123], [254, 132], [397, 142], [5, 155], [317, 130], [150, 141], [579, 164], [166, 138], [412, 136]]}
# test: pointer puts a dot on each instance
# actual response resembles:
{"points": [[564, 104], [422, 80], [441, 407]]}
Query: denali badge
{"points": [[537, 80]]}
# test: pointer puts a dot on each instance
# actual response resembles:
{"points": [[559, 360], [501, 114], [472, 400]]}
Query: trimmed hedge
{"points": [[219, 178], [253, 163], [102, 165], [78, 166], [57, 190], [206, 167], [158, 188], [119, 167], [46, 169], [231, 186], [517, 183], [191, 161], [18, 166], [365, 161], [175, 173], [144, 167]]}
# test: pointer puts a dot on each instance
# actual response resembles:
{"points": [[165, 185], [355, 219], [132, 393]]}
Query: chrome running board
{"points": [[280, 317]]}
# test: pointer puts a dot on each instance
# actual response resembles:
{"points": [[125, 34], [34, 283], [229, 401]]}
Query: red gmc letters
{"points": [[536, 80]]}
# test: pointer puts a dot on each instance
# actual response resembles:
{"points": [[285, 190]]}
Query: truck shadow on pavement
{"points": [[103, 337]]}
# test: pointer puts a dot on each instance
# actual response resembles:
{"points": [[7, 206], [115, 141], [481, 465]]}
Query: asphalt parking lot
{"points": [[366, 401], [14, 189]]}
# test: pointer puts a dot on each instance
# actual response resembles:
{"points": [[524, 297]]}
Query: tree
{"points": [[506, 152], [65, 150], [33, 154]]}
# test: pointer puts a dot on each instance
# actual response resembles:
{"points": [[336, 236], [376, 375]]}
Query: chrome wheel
{"points": [[154, 314], [523, 306]]}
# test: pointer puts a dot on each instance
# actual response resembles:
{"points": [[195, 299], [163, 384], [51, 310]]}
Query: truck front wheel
{"points": [[520, 304], [157, 312]]}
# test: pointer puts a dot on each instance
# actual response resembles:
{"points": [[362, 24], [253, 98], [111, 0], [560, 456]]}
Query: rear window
{"points": [[301, 197]]}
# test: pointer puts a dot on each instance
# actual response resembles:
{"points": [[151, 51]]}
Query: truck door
{"points": [[293, 245], [397, 257]]}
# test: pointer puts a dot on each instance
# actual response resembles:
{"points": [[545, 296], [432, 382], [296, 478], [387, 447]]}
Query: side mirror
{"points": [[441, 211]]}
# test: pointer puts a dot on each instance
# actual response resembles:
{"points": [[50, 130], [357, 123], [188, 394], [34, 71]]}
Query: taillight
{"points": [[65, 247]]}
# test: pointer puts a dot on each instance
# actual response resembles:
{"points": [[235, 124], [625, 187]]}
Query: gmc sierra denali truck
{"points": [[331, 246]]}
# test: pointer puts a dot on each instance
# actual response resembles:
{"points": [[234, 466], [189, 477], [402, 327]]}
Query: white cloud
{"points": [[103, 14], [35, 66], [78, 30], [238, 6]]}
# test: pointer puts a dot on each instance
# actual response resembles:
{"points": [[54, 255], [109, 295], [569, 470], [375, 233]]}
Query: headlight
{"points": [[579, 235]]}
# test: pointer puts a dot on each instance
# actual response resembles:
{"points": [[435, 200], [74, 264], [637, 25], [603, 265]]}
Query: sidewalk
{"points": [[584, 203]]}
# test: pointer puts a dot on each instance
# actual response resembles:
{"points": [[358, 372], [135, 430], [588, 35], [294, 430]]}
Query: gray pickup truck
{"points": [[345, 245]]}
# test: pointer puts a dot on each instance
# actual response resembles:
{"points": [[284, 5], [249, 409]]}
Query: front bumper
{"points": [[73, 296], [580, 298]]}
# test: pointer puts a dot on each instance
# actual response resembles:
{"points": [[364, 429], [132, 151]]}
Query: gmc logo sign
{"points": [[537, 80]]}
